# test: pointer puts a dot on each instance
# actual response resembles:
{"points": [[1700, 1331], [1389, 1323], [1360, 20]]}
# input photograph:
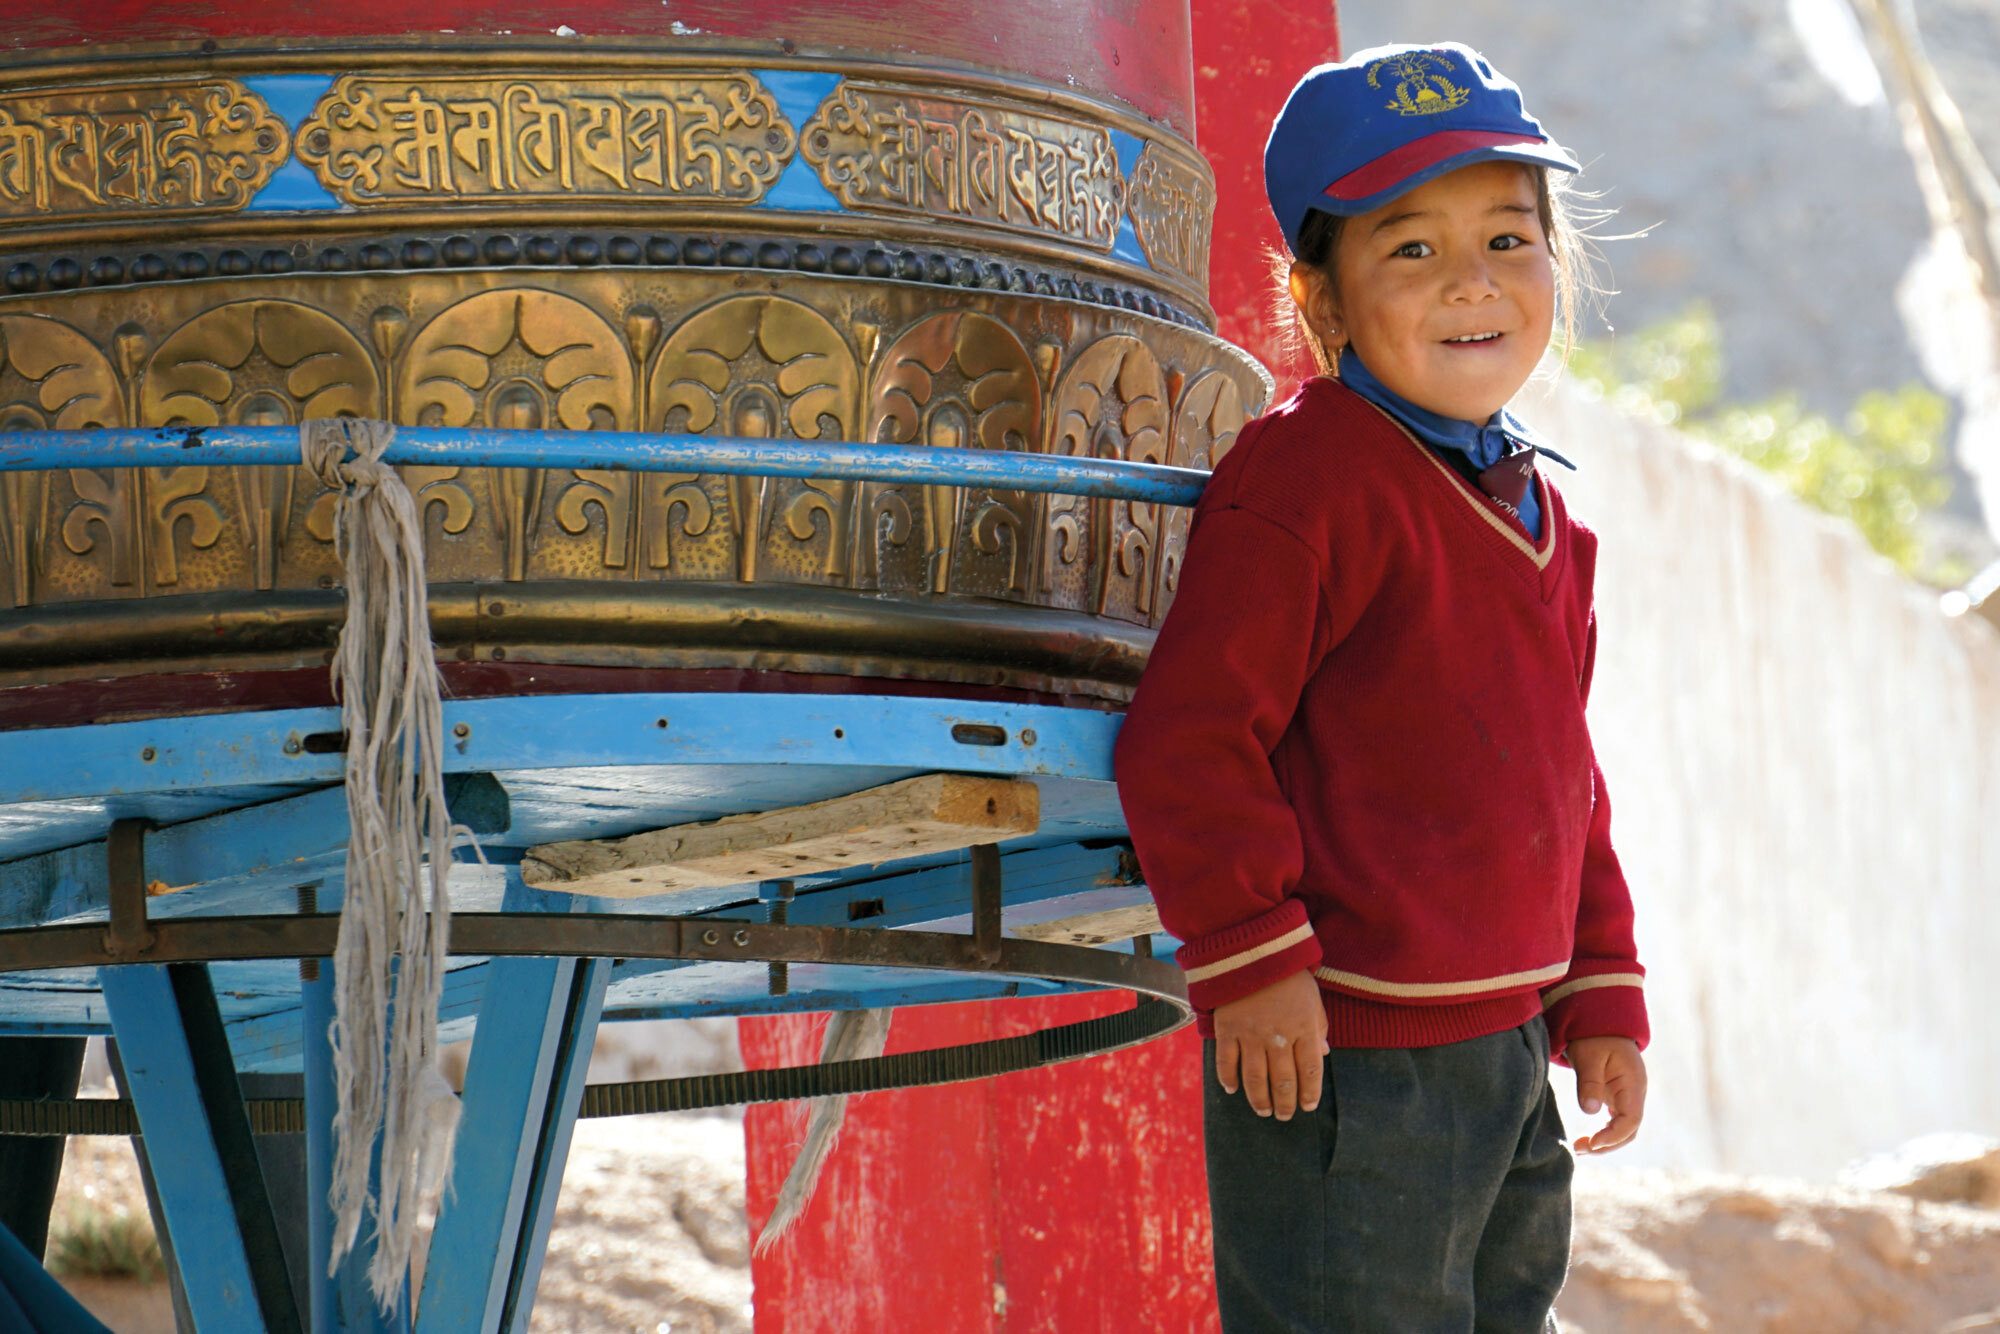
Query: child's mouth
{"points": [[1464, 339]]}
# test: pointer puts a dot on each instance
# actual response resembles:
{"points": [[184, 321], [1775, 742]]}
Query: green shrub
{"points": [[105, 1244], [1880, 467]]}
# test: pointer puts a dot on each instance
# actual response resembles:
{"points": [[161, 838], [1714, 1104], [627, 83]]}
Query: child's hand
{"points": [[1276, 1039], [1609, 1071]]}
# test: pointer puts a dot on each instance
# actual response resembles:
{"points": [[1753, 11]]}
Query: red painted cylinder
{"points": [[1133, 51]]}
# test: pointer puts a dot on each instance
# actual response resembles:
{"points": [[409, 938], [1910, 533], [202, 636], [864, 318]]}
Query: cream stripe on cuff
{"points": [[1298, 935], [1567, 989]]}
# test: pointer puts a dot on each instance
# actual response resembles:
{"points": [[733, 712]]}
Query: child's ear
{"points": [[1312, 293], [1315, 299]]}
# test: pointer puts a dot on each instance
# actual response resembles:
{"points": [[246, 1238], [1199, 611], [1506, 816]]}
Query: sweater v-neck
{"points": [[1535, 562]]}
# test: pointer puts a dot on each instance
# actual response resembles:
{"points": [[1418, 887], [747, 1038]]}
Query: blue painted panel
{"points": [[269, 1042], [602, 802], [799, 190], [292, 187], [1128, 147], [28, 828], [186, 1168], [206, 863], [799, 94], [572, 731], [291, 96], [1126, 244]]}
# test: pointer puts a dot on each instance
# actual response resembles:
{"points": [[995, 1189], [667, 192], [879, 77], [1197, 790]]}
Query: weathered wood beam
{"points": [[1095, 928], [919, 816]]}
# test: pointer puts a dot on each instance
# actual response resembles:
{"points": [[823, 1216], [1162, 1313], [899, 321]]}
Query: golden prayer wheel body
{"points": [[752, 223]]}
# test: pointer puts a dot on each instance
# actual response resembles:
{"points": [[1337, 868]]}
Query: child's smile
{"points": [[1447, 293]]}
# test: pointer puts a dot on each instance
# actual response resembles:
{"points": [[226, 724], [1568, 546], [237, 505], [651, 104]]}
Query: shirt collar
{"points": [[1485, 444]]}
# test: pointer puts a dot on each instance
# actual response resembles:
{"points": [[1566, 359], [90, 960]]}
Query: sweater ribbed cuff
{"points": [[1226, 965], [1611, 1009]]}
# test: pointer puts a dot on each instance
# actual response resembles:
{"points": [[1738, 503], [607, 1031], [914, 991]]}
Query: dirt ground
{"points": [[1660, 1253], [650, 1239], [650, 1235]]}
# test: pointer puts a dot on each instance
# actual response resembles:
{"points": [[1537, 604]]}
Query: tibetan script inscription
{"points": [[1173, 208], [714, 138], [202, 146], [888, 149]]}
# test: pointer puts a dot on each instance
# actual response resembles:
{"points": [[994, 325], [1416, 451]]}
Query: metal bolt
{"points": [[148, 754], [711, 936], [462, 731], [741, 938], [292, 746], [1027, 736]]}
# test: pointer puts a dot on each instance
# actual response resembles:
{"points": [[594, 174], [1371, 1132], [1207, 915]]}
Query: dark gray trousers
{"points": [[1428, 1194]]}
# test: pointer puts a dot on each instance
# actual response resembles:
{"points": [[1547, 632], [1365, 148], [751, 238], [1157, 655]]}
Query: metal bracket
{"points": [[986, 899], [780, 912], [128, 938]]}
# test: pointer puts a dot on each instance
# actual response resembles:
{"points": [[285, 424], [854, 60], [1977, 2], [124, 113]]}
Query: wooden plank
{"points": [[1095, 928], [928, 814]]}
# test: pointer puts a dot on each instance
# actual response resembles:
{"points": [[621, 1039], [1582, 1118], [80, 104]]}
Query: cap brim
{"points": [[1398, 172]]}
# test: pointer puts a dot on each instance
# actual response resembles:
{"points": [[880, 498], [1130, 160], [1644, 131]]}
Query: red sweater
{"points": [[1360, 746]]}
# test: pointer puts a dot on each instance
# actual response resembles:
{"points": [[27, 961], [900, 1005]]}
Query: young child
{"points": [[1357, 771]]}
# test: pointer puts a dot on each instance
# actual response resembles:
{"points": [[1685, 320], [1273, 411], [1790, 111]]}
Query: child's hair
{"points": [[1565, 224]]}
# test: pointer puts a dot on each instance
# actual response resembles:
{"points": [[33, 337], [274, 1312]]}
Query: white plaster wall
{"points": [[1803, 757]]}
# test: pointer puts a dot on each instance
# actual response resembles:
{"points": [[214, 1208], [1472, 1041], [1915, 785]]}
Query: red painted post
{"points": [[1064, 1199], [1069, 1199], [1247, 55]]}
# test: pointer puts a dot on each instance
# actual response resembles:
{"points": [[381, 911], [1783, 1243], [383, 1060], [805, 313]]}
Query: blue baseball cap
{"points": [[1355, 135]]}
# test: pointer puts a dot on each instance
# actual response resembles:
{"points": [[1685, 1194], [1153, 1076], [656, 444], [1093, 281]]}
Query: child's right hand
{"points": [[1273, 1044]]}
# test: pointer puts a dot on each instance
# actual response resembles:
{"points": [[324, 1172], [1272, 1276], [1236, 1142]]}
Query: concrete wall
{"points": [[1804, 764]]}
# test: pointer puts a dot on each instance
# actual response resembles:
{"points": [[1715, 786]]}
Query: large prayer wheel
{"points": [[978, 225]]}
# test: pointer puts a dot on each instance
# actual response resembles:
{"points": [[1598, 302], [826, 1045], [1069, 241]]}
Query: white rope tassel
{"points": [[391, 939], [851, 1035]]}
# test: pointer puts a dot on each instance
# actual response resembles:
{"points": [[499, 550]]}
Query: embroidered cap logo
{"points": [[1421, 88]]}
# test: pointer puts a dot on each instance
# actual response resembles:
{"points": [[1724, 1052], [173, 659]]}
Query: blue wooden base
{"points": [[253, 813]]}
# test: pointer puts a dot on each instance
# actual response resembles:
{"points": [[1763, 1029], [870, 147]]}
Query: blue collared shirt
{"points": [[1485, 445]]}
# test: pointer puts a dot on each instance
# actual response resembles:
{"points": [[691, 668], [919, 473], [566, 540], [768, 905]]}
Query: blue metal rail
{"points": [[629, 451]]}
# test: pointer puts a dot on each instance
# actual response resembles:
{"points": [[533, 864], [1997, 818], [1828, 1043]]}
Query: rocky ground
{"points": [[650, 1234], [1668, 1253], [650, 1239]]}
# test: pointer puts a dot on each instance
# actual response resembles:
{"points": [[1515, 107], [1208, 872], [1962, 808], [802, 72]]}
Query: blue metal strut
{"points": [[626, 451]]}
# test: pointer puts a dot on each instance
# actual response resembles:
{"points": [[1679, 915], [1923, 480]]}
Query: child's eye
{"points": [[1507, 242], [1412, 250]]}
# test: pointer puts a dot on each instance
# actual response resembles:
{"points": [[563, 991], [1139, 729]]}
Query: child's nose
{"points": [[1471, 279]]}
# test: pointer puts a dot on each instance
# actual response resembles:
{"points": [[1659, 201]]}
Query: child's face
{"points": [[1462, 255]]}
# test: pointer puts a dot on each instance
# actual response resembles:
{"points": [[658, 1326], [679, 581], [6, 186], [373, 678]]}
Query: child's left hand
{"points": [[1609, 1072]]}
